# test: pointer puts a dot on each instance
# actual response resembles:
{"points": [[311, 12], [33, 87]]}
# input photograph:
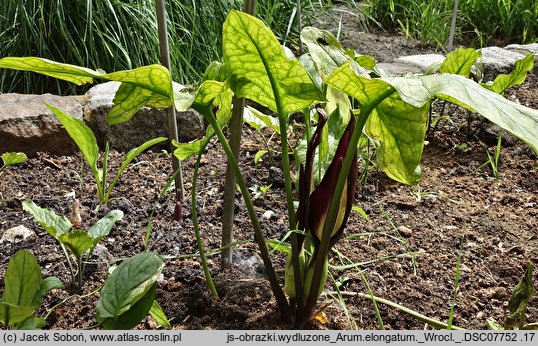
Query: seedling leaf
{"points": [[83, 137], [22, 279], [77, 242], [460, 61], [13, 158], [518, 75], [102, 227], [128, 284], [54, 224], [158, 314]]}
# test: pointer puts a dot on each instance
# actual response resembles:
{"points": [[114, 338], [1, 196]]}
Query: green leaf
{"points": [[47, 284], [128, 284], [279, 246], [261, 70], [212, 95], [77, 242], [128, 100], [216, 71], [135, 314], [361, 212], [54, 224], [364, 89], [185, 150], [155, 78], [83, 137], [71, 73], [519, 120], [258, 120], [102, 227], [11, 314], [460, 61], [259, 155], [516, 77], [22, 279], [158, 314], [131, 155], [400, 128], [324, 49], [13, 158]]}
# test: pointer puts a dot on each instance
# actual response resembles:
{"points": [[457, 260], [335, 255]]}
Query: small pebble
{"points": [[405, 231], [268, 214]]}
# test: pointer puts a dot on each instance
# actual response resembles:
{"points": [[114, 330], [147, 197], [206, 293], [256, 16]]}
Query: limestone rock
{"points": [[421, 61], [499, 60], [16, 234], [28, 126], [146, 124], [525, 49]]}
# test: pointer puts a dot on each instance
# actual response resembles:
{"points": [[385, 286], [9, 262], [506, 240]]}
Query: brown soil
{"points": [[408, 251]]}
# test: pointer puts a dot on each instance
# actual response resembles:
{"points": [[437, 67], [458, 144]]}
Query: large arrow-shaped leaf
{"points": [[519, 120], [399, 127], [260, 68], [71, 73]]}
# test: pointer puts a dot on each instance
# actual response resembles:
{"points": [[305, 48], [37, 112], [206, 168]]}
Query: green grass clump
{"points": [[122, 34], [479, 22]]}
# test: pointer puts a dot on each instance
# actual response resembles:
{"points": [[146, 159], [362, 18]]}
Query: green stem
{"points": [[199, 243], [323, 249], [70, 265], [258, 234], [414, 314]]}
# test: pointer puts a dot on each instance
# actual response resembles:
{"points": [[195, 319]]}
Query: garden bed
{"points": [[408, 251]]}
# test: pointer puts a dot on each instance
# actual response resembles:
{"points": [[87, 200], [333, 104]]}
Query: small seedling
{"points": [[12, 158], [24, 289], [79, 243], [87, 143]]}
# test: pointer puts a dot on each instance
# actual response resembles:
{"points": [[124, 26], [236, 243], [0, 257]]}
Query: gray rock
{"points": [[397, 69], [498, 60], [421, 61], [526, 49], [146, 124], [523, 48], [16, 234], [28, 126]]}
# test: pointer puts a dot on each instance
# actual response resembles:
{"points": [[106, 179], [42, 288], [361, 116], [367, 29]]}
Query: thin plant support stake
{"points": [[172, 124], [229, 190], [452, 26]]}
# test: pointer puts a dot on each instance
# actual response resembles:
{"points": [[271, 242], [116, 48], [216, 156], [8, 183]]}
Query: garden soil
{"points": [[408, 251]]}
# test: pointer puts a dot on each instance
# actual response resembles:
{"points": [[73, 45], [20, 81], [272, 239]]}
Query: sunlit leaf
{"points": [[261, 70], [400, 129], [54, 224], [460, 61], [517, 119], [158, 314], [71, 73], [518, 75], [13, 158]]}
